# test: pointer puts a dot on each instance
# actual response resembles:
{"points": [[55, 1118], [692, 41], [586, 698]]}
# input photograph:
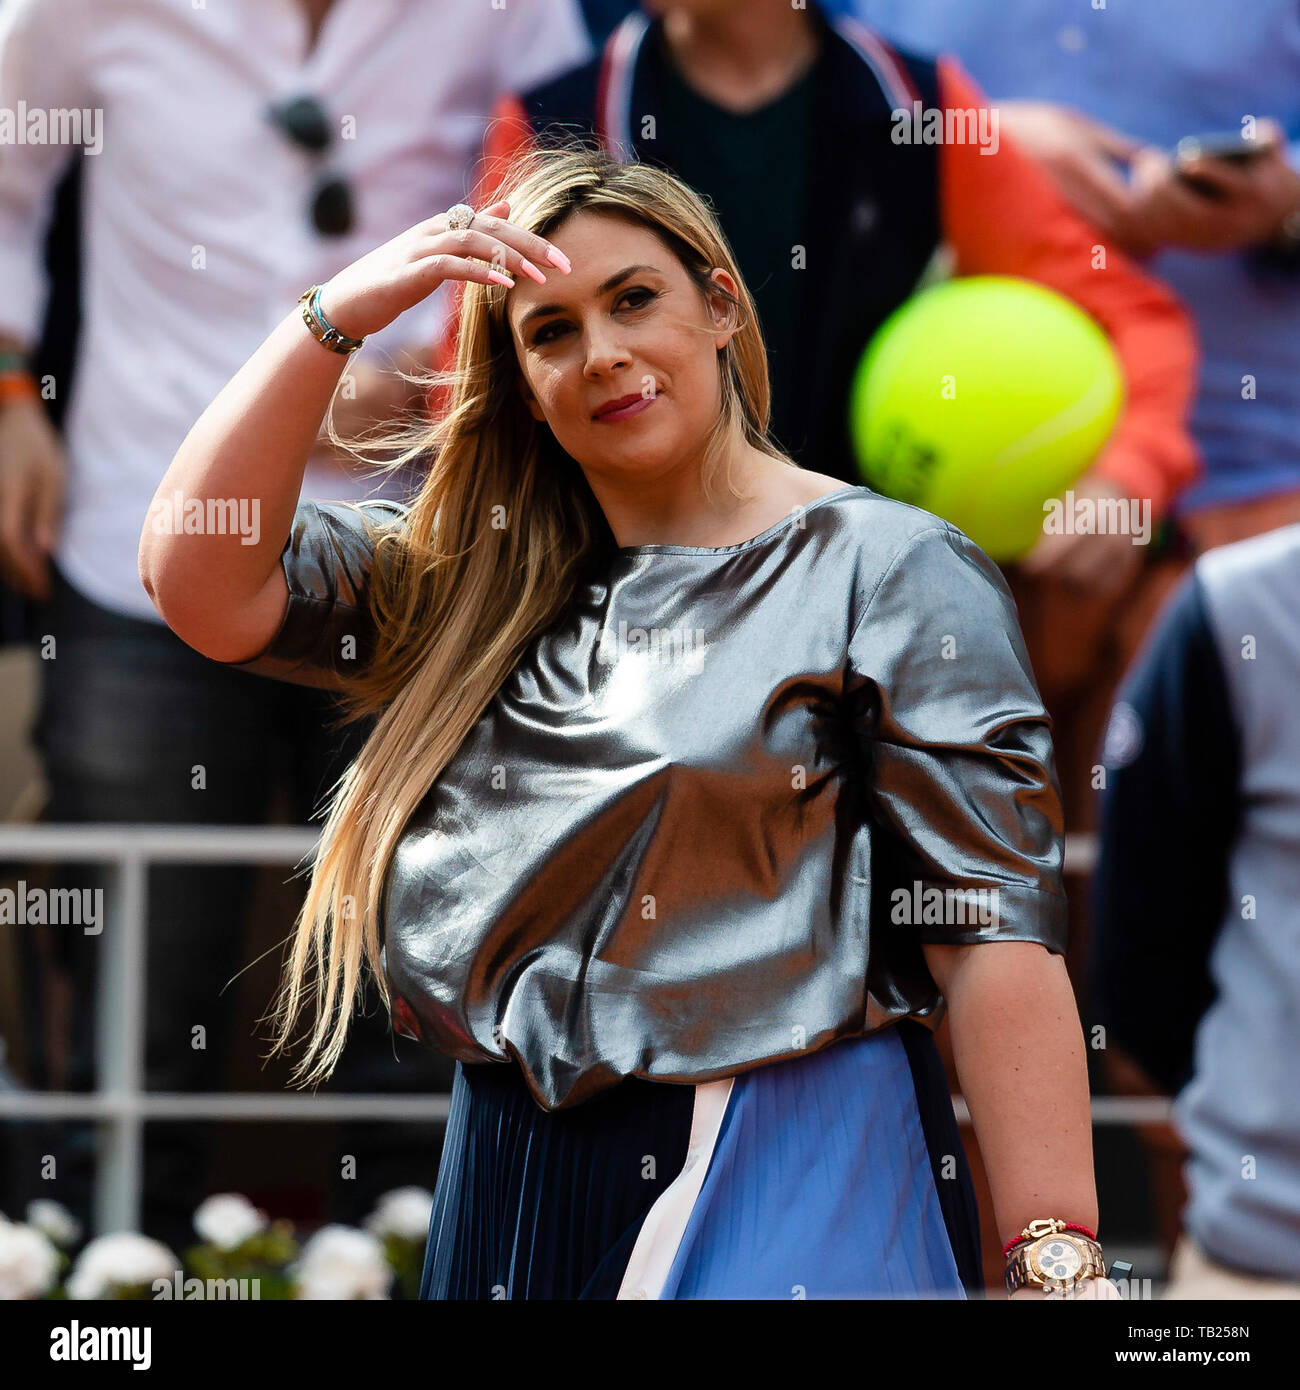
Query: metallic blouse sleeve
{"points": [[963, 773], [326, 632]]}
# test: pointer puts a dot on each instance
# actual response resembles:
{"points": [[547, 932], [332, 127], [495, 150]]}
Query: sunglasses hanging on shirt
{"points": [[305, 121]]}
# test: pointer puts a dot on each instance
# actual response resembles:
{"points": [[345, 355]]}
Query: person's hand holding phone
{"points": [[1212, 199]]}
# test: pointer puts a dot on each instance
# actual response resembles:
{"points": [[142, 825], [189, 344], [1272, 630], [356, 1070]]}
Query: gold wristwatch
{"points": [[321, 328], [1053, 1258]]}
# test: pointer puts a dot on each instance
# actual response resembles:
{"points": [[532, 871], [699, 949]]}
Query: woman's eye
{"points": [[642, 295]]}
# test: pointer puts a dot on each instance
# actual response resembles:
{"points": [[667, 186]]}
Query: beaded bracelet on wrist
{"points": [[1067, 1226], [320, 327]]}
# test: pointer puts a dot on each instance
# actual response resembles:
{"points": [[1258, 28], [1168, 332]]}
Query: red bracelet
{"points": [[1067, 1226], [18, 385]]}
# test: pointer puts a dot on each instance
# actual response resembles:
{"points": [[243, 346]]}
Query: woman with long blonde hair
{"points": [[700, 786]]}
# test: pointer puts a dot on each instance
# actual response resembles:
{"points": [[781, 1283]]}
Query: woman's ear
{"points": [[724, 314]]}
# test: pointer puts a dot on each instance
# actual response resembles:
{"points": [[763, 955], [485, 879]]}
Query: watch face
{"points": [[1058, 1259]]}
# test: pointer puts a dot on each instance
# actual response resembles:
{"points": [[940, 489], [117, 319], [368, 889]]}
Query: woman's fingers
{"points": [[529, 243], [431, 226], [492, 223], [440, 265], [370, 293], [472, 244]]}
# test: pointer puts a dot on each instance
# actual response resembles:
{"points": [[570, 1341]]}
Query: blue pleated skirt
{"points": [[837, 1174]]}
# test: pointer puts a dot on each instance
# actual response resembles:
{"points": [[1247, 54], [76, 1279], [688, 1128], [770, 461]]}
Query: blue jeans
{"points": [[127, 713]]}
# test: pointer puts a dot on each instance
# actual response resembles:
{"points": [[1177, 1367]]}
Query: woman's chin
{"points": [[633, 454]]}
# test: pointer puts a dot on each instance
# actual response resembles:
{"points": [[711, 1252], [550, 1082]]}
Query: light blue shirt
{"points": [[1240, 1112], [1159, 70]]}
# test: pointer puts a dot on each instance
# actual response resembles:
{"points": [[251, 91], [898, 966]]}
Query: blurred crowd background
{"points": [[237, 151]]}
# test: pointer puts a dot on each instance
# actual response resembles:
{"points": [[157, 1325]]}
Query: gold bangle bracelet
{"points": [[321, 328]]}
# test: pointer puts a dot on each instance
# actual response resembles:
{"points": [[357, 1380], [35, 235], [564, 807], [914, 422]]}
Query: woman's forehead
{"points": [[585, 223], [599, 248]]}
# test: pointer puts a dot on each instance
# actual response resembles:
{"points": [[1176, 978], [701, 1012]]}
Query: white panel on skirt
{"points": [[665, 1223]]}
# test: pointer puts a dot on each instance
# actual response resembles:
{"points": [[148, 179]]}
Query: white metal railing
{"points": [[120, 1104]]}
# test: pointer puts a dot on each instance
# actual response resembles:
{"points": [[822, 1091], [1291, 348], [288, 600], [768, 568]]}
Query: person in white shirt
{"points": [[233, 154]]}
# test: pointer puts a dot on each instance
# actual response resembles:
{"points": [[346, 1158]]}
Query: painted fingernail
{"points": [[557, 257], [498, 279], [530, 269]]}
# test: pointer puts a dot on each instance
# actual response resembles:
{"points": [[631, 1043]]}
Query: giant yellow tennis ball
{"points": [[980, 399]]}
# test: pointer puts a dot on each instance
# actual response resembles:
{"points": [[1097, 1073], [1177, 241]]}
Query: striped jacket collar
{"points": [[626, 50]]}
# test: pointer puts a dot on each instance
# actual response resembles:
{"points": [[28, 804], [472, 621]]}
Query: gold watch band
{"points": [[1021, 1270]]}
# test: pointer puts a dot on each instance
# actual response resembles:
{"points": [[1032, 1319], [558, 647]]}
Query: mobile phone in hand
{"points": [[1230, 146]]}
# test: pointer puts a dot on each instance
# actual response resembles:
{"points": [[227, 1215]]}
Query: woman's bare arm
{"points": [[249, 448], [1018, 1048]]}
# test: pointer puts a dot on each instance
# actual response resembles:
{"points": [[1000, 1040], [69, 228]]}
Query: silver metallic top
{"points": [[713, 813]]}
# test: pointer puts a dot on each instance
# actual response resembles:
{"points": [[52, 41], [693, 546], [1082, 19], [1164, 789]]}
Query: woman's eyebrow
{"points": [[541, 310]]}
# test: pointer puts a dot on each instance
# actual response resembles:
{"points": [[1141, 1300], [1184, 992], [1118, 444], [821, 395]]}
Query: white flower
{"points": [[54, 1220], [228, 1220], [404, 1213], [29, 1263], [341, 1262], [122, 1258]]}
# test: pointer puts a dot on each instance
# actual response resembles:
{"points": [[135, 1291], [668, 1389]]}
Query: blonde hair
{"points": [[455, 595]]}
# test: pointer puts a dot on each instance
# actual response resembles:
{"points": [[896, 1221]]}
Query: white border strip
{"points": [[623, 46], [662, 1230], [892, 77]]}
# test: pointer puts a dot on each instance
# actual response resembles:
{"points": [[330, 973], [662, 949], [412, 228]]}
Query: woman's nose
{"points": [[604, 353]]}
